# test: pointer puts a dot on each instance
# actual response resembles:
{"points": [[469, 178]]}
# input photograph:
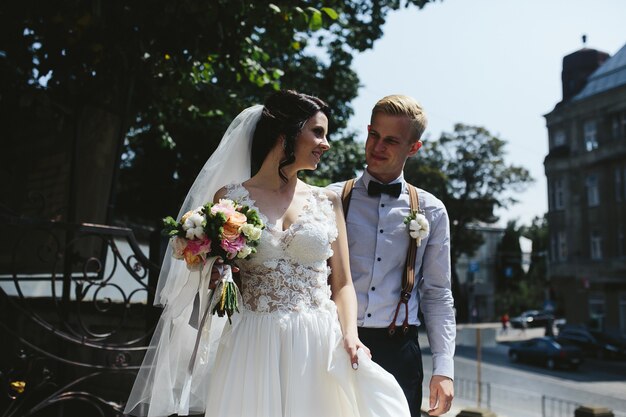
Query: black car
{"points": [[532, 318], [547, 352], [618, 343], [595, 344]]}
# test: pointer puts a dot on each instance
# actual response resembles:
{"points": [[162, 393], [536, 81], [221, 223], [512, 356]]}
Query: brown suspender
{"points": [[408, 278], [346, 196]]}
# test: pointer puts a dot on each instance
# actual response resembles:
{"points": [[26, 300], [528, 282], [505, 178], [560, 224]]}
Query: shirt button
{"points": [[369, 314], [381, 230], [373, 288], [382, 205], [378, 259]]}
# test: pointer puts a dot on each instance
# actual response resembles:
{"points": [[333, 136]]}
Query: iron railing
{"points": [[76, 316], [470, 389]]}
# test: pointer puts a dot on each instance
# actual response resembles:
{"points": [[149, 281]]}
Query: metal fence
{"points": [[75, 316], [469, 389], [557, 407]]}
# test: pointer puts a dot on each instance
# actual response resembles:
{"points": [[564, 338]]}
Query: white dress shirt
{"points": [[379, 240]]}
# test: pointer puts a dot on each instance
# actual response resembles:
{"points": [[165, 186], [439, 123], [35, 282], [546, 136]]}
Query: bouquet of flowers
{"points": [[225, 229]]}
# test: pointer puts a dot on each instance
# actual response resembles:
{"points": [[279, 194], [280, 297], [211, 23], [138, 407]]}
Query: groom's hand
{"points": [[441, 395]]}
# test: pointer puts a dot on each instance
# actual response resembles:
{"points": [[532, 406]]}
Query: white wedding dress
{"points": [[283, 355]]}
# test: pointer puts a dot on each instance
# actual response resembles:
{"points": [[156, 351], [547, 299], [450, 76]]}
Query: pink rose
{"points": [[224, 206], [199, 246], [232, 247]]}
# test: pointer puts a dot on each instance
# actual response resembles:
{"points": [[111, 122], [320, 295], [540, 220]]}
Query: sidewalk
{"points": [[458, 404], [501, 338]]}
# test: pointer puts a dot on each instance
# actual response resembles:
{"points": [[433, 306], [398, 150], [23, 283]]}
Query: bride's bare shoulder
{"points": [[220, 194]]}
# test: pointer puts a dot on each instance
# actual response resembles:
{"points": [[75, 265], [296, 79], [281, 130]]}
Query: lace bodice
{"points": [[289, 271]]}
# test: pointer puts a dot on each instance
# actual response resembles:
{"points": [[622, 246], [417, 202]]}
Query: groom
{"points": [[388, 282]]}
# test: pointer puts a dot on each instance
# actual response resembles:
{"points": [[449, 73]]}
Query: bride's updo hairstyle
{"points": [[284, 113]]}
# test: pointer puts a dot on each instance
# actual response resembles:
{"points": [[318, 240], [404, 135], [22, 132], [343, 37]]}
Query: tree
{"points": [[537, 273], [538, 233], [467, 171], [173, 74], [518, 291], [509, 271]]}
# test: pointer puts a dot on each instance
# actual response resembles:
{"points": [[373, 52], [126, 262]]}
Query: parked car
{"points": [[532, 318], [593, 343], [548, 352], [611, 339]]}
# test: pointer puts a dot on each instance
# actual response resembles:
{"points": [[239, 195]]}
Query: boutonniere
{"points": [[418, 226]]}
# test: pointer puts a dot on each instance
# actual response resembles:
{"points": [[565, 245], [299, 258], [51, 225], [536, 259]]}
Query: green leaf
{"points": [[274, 8], [330, 13], [316, 21]]}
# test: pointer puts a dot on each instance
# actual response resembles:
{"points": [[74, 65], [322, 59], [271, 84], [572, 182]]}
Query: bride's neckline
{"points": [[272, 225]]}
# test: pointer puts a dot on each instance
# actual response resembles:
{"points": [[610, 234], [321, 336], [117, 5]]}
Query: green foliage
{"points": [[509, 271], [538, 233], [467, 171], [176, 72], [520, 291]]}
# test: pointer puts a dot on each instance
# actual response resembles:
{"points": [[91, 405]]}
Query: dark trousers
{"points": [[400, 355]]}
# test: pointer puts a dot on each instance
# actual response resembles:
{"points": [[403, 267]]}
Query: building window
{"points": [[593, 193], [616, 126], [557, 194], [591, 137], [597, 304], [558, 247], [596, 245], [562, 246], [622, 313], [619, 186], [559, 138]]}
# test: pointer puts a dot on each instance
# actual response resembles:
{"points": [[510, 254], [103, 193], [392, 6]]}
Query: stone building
{"points": [[586, 175]]}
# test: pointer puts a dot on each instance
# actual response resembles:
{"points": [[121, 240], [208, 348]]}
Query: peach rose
{"points": [[232, 225], [191, 259]]}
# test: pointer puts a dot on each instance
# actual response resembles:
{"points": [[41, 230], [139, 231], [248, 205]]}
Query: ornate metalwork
{"points": [[76, 308]]}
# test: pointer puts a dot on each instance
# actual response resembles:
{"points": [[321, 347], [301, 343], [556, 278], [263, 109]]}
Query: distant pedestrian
{"points": [[505, 322], [550, 327]]}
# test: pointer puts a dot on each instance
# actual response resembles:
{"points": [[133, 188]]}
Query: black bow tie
{"points": [[376, 188]]}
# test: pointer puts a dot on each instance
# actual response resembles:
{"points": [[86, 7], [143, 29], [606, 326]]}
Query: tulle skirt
{"points": [[294, 365], [263, 365]]}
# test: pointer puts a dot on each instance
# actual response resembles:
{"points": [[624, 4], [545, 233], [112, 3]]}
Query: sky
{"points": [[490, 63]]}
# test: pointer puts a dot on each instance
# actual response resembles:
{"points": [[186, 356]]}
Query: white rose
{"points": [[251, 231], [245, 251]]}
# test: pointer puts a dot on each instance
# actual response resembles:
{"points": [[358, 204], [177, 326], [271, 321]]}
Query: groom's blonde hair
{"points": [[401, 105]]}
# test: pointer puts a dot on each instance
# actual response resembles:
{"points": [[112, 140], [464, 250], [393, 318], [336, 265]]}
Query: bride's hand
{"points": [[351, 344]]}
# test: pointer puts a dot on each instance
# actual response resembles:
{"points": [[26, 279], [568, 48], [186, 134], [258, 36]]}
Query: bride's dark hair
{"points": [[284, 113]]}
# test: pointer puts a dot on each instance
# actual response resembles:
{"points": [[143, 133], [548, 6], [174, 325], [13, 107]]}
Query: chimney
{"points": [[577, 67]]}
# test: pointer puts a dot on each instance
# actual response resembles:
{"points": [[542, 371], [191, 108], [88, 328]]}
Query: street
{"points": [[516, 389]]}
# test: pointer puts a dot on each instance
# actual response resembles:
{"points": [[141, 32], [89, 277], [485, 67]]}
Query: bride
{"points": [[293, 350]]}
